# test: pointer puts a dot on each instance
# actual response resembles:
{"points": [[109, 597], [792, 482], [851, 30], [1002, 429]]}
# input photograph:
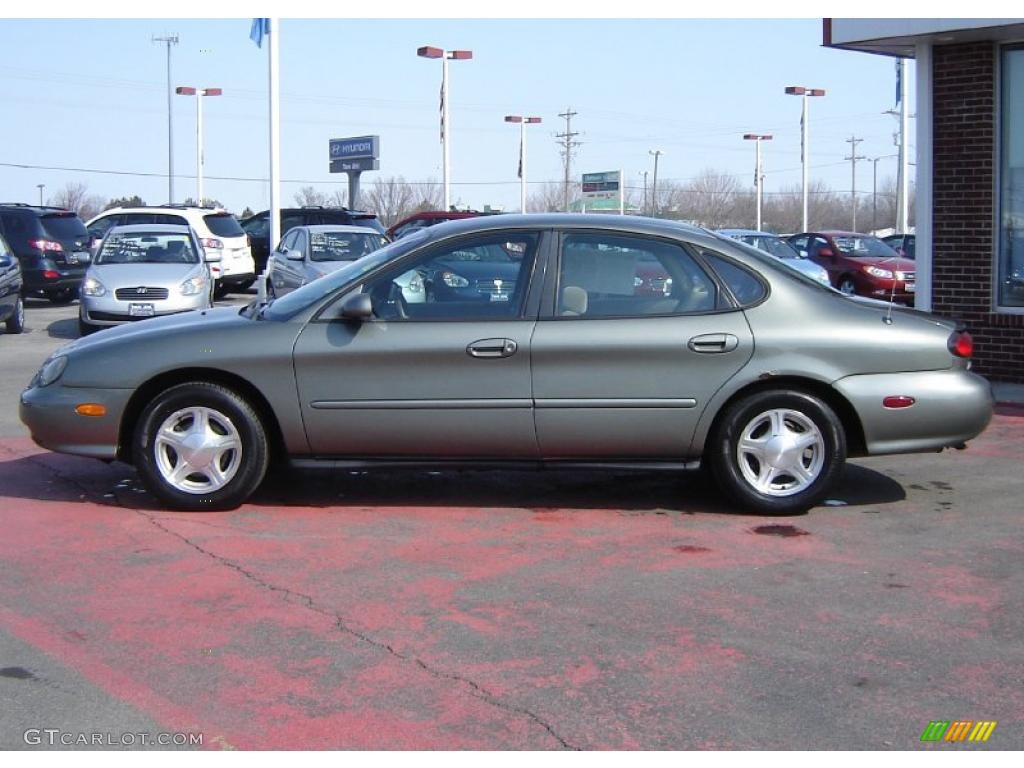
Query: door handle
{"points": [[492, 348], [709, 343]]}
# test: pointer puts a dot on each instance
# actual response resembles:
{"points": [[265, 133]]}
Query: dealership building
{"points": [[970, 171]]}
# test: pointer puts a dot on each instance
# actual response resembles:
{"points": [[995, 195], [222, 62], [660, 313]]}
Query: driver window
{"points": [[287, 242], [484, 278]]}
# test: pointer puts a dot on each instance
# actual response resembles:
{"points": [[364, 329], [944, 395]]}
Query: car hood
{"points": [[201, 321], [114, 276]]}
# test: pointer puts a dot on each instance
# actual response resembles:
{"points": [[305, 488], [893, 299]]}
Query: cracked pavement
{"points": [[504, 610]]}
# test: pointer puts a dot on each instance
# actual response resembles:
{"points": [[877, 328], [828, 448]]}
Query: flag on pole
{"points": [[441, 110], [259, 28], [520, 174], [899, 81]]}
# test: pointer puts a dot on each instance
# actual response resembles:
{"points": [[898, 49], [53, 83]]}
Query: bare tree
{"points": [[393, 198], [547, 197], [74, 196], [310, 196], [710, 199]]}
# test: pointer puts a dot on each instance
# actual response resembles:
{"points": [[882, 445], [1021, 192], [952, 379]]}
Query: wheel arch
{"points": [[150, 388], [852, 427]]}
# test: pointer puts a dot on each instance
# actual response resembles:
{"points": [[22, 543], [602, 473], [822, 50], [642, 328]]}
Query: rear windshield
{"points": [[369, 221], [147, 248], [223, 225], [63, 226]]}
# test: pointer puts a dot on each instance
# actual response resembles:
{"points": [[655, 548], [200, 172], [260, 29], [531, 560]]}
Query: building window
{"points": [[1010, 271]]}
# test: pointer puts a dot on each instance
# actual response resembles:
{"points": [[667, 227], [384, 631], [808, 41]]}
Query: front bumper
{"points": [[951, 407], [49, 414], [109, 310]]}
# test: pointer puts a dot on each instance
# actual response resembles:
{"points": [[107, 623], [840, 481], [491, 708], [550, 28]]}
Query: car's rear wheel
{"points": [[16, 322], [847, 286], [220, 290], [62, 295], [778, 452], [200, 446]]}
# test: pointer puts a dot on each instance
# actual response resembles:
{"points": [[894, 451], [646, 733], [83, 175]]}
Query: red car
{"points": [[860, 264], [429, 219]]}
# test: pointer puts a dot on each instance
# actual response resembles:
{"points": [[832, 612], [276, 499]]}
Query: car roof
{"points": [[164, 228], [596, 221], [338, 228], [842, 233], [40, 209], [750, 232]]}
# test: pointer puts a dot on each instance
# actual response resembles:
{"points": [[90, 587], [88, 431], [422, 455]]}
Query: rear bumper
{"points": [[34, 282], [950, 407]]}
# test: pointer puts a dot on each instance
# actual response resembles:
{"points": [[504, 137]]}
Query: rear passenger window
{"points": [[746, 288], [607, 275]]}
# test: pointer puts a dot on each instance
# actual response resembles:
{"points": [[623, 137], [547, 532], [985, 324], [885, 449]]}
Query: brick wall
{"points": [[964, 206]]}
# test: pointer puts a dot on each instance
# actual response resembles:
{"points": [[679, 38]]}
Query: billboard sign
{"points": [[604, 187], [357, 148]]}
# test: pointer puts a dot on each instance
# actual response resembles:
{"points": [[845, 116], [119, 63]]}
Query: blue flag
{"points": [[260, 27]]}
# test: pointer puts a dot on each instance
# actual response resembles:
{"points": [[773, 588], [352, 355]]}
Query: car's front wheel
{"points": [[778, 452], [200, 446], [16, 322], [847, 286]]}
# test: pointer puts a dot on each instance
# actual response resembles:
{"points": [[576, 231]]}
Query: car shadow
{"points": [[68, 479], [63, 329]]}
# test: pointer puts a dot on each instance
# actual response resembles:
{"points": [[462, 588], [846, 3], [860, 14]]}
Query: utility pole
{"points": [[853, 141], [169, 40], [41, 188], [568, 145], [654, 182], [644, 209]]}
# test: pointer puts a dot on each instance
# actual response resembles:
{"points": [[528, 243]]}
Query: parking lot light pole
{"points": [[199, 93], [169, 40], [799, 90], [757, 138], [523, 121], [430, 52], [41, 188]]}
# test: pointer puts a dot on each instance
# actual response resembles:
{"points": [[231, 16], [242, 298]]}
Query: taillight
{"points": [[961, 344], [212, 242], [46, 245], [50, 274]]}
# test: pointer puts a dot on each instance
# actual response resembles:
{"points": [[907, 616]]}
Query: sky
{"points": [[92, 95]]}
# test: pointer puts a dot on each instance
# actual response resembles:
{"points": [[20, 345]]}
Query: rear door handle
{"points": [[492, 348], [710, 343]]}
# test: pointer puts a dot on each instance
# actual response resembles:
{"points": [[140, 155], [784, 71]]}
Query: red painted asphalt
{"points": [[540, 611]]}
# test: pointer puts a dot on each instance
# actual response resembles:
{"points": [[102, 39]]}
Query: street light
{"points": [[523, 121], [169, 40], [654, 182], [184, 90], [758, 174], [41, 188], [429, 52], [799, 90]]}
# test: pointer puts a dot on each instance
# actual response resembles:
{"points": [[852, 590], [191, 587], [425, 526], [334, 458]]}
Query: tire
{"points": [[16, 322], [220, 290], [240, 459], [84, 328], [243, 287], [847, 286], [798, 479], [62, 295]]}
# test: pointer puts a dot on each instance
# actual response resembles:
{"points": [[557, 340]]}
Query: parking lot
{"points": [[514, 610]]}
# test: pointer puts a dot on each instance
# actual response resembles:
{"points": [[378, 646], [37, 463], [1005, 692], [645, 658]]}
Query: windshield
{"points": [[64, 226], [864, 247], [147, 248], [309, 294], [776, 246], [343, 246], [223, 225]]}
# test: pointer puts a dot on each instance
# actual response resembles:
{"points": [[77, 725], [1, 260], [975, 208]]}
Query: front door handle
{"points": [[710, 343], [492, 348]]}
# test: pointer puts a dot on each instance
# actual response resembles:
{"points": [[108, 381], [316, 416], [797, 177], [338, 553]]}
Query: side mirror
{"points": [[357, 306], [293, 255]]}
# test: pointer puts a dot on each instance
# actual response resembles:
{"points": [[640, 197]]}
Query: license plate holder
{"points": [[137, 309], [911, 287]]}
